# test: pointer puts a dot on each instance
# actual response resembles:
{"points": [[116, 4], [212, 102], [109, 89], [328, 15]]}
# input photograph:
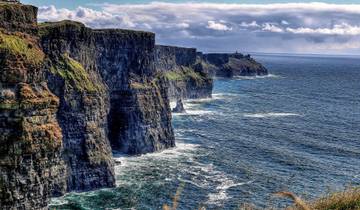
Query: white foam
{"points": [[257, 77], [172, 104], [271, 114], [58, 201], [222, 195], [193, 113], [192, 108]]}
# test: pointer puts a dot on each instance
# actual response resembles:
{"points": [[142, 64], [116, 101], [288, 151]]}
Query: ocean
{"points": [[297, 130]]}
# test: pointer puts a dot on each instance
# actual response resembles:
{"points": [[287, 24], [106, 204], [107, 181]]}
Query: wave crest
{"points": [[271, 114]]}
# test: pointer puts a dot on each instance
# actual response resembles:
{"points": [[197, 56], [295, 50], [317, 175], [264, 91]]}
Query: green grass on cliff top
{"points": [[184, 75], [19, 45], [74, 74]]}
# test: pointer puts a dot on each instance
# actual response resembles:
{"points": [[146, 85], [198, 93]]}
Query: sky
{"points": [[270, 26]]}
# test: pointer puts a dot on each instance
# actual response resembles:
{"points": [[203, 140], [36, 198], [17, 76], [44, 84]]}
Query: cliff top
{"points": [[175, 47], [123, 31], [78, 25], [62, 23], [10, 1], [18, 17]]}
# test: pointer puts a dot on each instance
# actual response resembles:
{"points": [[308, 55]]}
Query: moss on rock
{"points": [[74, 74], [185, 74], [21, 45]]}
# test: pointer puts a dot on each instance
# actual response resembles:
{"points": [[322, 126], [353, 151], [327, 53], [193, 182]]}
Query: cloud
{"points": [[250, 24], [218, 26], [272, 28], [284, 22], [282, 27], [338, 29]]}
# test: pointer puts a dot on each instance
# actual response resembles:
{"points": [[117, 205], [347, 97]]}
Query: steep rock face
{"points": [[236, 64], [30, 136], [65, 90], [140, 116], [184, 72], [84, 103], [18, 18]]}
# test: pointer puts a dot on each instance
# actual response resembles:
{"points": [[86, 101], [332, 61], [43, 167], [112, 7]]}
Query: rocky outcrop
{"points": [[179, 108], [66, 93], [140, 115], [31, 166], [73, 76], [184, 73], [229, 65]]}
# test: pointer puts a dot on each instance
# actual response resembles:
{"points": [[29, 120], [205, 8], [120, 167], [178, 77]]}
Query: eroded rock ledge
{"points": [[232, 64], [67, 94], [185, 73]]}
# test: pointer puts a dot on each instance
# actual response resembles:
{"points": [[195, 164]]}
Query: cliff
{"points": [[184, 72], [236, 64], [68, 95], [140, 116], [84, 104], [30, 136]]}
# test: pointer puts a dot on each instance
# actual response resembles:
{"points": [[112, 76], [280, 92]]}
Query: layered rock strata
{"points": [[230, 65], [140, 115], [66, 92], [31, 166], [184, 72], [73, 76]]}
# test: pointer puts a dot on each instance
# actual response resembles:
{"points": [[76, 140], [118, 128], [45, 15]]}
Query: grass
{"points": [[140, 86], [46, 28], [74, 74], [23, 45], [185, 74], [9, 105], [346, 200]]}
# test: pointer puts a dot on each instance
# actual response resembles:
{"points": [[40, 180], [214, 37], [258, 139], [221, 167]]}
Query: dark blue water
{"points": [[295, 130]]}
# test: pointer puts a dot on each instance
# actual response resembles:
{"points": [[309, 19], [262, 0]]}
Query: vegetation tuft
{"points": [[22, 45], [185, 74], [74, 74]]}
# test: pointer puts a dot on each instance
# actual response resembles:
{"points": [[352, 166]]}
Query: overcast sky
{"points": [[276, 26]]}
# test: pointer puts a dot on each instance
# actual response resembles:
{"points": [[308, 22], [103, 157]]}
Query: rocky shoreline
{"points": [[69, 95]]}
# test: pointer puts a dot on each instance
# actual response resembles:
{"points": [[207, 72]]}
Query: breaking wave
{"points": [[270, 115]]}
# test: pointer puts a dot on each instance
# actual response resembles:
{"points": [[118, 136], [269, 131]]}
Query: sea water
{"points": [[296, 130]]}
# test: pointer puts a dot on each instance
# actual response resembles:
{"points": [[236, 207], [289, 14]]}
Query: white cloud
{"points": [[249, 27], [284, 22], [272, 28], [218, 26], [339, 29], [249, 24]]}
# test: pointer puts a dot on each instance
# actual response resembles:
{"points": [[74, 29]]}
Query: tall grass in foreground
{"points": [[345, 200]]}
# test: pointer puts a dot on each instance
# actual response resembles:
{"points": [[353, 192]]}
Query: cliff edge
{"points": [[233, 64], [184, 73]]}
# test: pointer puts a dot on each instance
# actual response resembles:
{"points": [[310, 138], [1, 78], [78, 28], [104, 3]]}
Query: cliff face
{"points": [[184, 72], [229, 65], [66, 93], [30, 136], [84, 103], [140, 116]]}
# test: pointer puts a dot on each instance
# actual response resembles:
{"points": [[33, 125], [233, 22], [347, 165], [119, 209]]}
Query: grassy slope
{"points": [[74, 74], [22, 45]]}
